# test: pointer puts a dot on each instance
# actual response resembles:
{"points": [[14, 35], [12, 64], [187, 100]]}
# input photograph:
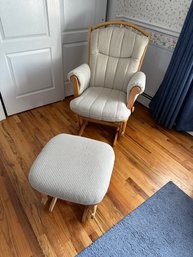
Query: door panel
{"points": [[76, 17], [31, 56], [28, 17], [28, 80], [78, 51], [74, 14]]}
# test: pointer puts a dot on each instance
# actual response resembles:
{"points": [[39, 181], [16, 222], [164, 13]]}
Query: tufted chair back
{"points": [[116, 53]]}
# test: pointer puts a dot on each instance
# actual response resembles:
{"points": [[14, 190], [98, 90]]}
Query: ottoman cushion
{"points": [[73, 168]]}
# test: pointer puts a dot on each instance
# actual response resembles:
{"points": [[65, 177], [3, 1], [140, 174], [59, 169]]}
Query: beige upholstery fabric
{"points": [[73, 168], [138, 79], [102, 104], [115, 56], [83, 74]]}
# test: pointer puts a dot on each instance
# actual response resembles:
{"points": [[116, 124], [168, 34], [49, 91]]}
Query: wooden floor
{"points": [[147, 157]]}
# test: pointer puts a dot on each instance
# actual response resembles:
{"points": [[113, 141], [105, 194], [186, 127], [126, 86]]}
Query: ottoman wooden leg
{"points": [[116, 136], [85, 213], [94, 209], [88, 209], [44, 199], [79, 122], [52, 204], [83, 126]]}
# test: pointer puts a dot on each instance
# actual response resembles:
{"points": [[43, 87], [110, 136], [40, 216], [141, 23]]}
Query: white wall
{"points": [[164, 20]]}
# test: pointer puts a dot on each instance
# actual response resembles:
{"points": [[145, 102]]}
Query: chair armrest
{"points": [[80, 78], [135, 87]]}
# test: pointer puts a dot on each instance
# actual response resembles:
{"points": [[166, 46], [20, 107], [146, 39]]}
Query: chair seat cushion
{"points": [[73, 168], [102, 104]]}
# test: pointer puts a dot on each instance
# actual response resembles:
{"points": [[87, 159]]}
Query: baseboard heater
{"points": [[144, 99], [147, 96]]}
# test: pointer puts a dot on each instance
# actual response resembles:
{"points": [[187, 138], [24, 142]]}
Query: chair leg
{"points": [[116, 136], [94, 212], [121, 129], [88, 209], [82, 128], [52, 204], [124, 128], [44, 199], [79, 121], [85, 213]]}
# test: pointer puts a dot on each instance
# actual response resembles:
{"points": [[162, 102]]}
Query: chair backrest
{"points": [[116, 51]]}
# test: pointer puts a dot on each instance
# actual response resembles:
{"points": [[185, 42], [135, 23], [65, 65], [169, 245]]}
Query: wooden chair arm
{"points": [[133, 93], [76, 85]]}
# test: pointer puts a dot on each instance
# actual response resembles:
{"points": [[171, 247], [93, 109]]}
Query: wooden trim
{"points": [[108, 123], [118, 125], [89, 39], [76, 85], [123, 23], [133, 92]]}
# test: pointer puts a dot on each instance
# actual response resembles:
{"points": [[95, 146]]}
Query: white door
{"points": [[30, 54], [2, 114], [76, 17]]}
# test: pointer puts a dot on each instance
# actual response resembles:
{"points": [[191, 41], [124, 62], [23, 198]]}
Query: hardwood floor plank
{"points": [[175, 150], [25, 224], [147, 157], [10, 226], [46, 246], [137, 188], [79, 237]]}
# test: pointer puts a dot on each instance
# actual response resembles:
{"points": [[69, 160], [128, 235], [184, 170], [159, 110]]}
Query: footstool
{"points": [[75, 169]]}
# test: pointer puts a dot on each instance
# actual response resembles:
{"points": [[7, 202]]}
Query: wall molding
{"points": [[160, 36], [151, 26]]}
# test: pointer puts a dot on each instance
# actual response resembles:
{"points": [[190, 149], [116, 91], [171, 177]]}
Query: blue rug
{"points": [[162, 226]]}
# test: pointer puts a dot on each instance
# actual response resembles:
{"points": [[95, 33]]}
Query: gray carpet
{"points": [[162, 226]]}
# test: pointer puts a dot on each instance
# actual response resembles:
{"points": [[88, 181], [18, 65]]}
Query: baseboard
{"points": [[144, 99], [68, 89]]}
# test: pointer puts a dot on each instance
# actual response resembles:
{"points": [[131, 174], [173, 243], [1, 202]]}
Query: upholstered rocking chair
{"points": [[106, 88]]}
